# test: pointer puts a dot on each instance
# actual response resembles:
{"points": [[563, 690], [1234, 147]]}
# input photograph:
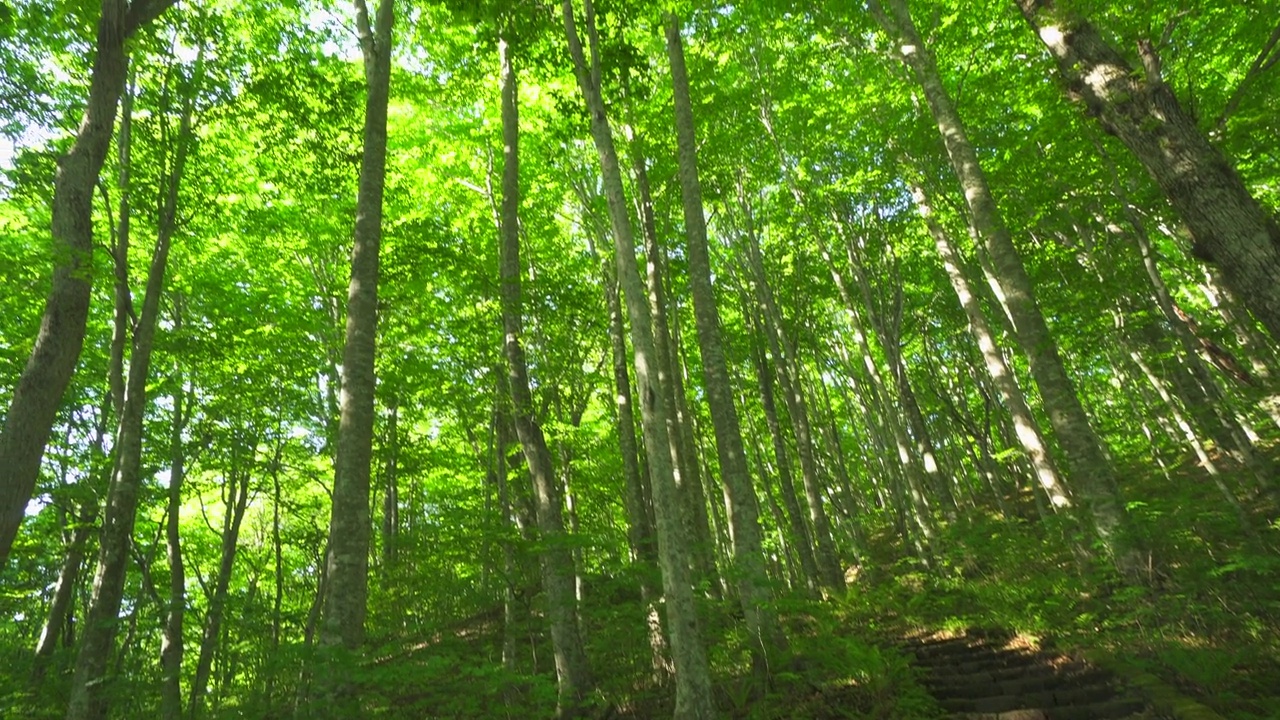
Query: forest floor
{"points": [[1200, 640]]}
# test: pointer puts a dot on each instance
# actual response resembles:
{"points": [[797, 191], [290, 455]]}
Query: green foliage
{"points": [[806, 126]]}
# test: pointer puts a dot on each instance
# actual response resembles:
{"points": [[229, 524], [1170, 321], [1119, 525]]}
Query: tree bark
{"points": [[693, 678], [349, 529], [573, 670], [693, 499], [1228, 227], [57, 347]]}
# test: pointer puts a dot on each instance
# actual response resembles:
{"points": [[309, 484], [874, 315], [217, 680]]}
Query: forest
{"points": [[594, 359]]}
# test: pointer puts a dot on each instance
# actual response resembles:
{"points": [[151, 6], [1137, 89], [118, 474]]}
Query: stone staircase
{"points": [[984, 676]]}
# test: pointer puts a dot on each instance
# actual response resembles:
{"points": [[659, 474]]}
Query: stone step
{"points": [[991, 661], [1036, 683], [980, 677], [941, 677], [1118, 709], [952, 649]]}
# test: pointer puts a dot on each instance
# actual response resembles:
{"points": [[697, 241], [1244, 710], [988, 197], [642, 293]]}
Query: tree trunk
{"points": [[171, 643], [89, 683], [693, 499], [235, 499], [829, 570], [1228, 227], [391, 500], [57, 348], [1026, 429], [64, 589], [573, 670], [740, 504], [349, 527], [802, 541], [1091, 472], [639, 528], [1204, 399], [693, 678], [277, 598]]}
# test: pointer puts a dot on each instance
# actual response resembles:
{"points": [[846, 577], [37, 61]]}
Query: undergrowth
{"points": [[1205, 617]]}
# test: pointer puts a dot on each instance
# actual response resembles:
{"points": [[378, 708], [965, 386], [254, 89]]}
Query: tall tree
{"points": [[1091, 469], [89, 683], [349, 529], [693, 677], [1026, 429], [739, 494], [57, 348], [572, 668]]}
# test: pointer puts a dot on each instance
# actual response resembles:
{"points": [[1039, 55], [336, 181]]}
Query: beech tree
{"points": [[689, 372]]}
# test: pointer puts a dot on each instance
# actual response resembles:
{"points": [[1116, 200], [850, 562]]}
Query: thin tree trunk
{"points": [[801, 540], [693, 499], [909, 454], [508, 553], [573, 670], [693, 678], [171, 644], [349, 529], [391, 500], [235, 500], [640, 532], [1026, 429], [57, 348], [277, 598], [639, 528], [1228, 227], [1092, 474], [829, 570], [61, 605], [89, 683]]}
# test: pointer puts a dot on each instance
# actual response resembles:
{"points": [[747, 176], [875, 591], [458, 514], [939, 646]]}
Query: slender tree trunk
{"points": [[829, 570], [62, 607], [1204, 398], [572, 667], [89, 683], [1228, 227], [171, 644], [639, 528], [235, 500], [801, 540], [391, 500], [693, 499], [349, 529], [1092, 475], [508, 553], [910, 457], [693, 678], [1262, 357], [57, 348], [64, 590], [640, 532], [1026, 429], [277, 598]]}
